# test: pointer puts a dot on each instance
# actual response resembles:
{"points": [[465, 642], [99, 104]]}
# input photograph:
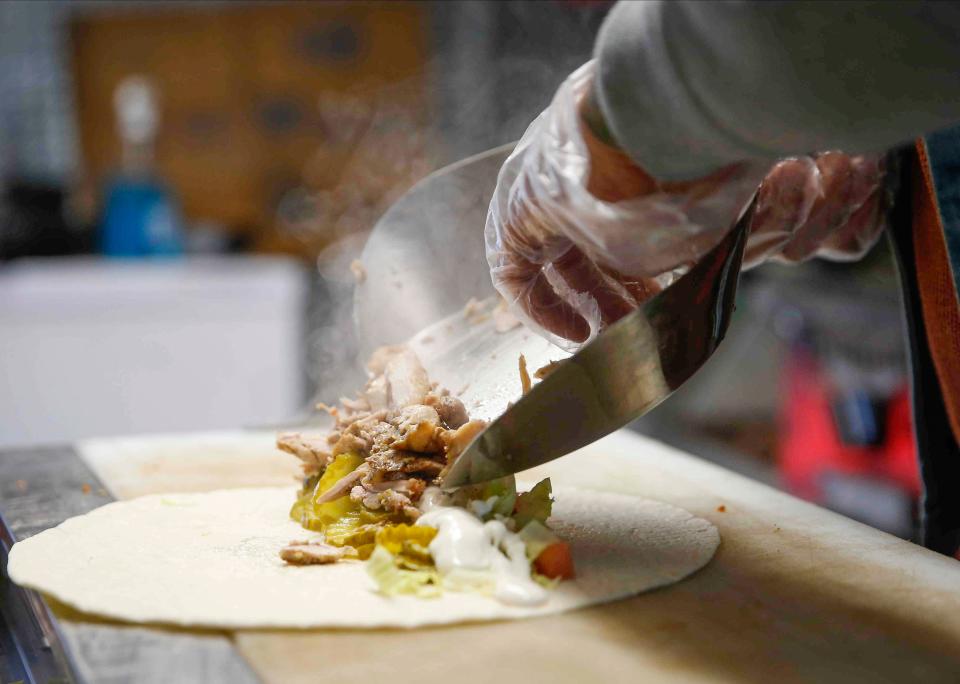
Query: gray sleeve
{"points": [[686, 86]]}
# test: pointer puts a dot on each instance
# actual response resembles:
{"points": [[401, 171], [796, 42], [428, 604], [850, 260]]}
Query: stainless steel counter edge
{"points": [[39, 489]]}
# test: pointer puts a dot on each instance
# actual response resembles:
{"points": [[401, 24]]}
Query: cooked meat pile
{"points": [[408, 430]]}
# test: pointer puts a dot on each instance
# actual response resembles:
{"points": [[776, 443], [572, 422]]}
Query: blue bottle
{"points": [[141, 217]]}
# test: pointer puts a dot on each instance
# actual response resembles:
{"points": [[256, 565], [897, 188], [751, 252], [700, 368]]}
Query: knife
{"points": [[425, 259], [623, 373]]}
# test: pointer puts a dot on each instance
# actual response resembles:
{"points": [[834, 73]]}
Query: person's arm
{"points": [[687, 87], [601, 206]]}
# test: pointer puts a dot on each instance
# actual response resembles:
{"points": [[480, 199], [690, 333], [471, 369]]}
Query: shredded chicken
{"points": [[342, 486], [525, 383], [398, 377], [407, 430], [359, 405], [459, 439], [377, 394], [418, 428], [411, 487], [406, 379], [313, 553], [394, 501], [544, 371], [451, 411], [393, 461], [313, 452], [358, 271]]}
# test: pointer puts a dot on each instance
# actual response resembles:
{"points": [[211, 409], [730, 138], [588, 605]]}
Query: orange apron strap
{"points": [[938, 294]]}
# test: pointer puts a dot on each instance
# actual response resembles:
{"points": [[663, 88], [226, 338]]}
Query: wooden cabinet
{"points": [[278, 120]]}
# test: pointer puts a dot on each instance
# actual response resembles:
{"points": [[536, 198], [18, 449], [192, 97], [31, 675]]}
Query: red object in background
{"points": [[811, 446]]}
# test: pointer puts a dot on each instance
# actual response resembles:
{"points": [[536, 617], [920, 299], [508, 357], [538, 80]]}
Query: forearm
{"points": [[687, 87]]}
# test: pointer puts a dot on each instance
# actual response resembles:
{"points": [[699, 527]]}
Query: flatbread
{"points": [[211, 560]]}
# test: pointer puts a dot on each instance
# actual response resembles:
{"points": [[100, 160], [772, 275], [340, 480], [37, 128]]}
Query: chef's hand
{"points": [[578, 235]]}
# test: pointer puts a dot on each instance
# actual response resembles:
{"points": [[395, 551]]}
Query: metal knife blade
{"points": [[623, 373]]}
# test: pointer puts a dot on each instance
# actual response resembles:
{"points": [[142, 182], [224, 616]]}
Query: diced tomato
{"points": [[555, 561]]}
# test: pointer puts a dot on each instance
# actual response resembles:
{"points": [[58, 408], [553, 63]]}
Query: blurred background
{"points": [[184, 185]]}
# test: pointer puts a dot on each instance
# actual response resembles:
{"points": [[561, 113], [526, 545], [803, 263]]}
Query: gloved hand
{"points": [[578, 235]]}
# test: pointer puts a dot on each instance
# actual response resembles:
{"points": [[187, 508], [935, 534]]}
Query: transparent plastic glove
{"points": [[830, 205], [578, 235]]}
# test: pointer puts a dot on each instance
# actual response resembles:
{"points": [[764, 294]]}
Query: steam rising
{"points": [[494, 67]]}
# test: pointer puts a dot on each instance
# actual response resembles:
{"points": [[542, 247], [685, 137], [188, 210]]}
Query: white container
{"points": [[90, 347]]}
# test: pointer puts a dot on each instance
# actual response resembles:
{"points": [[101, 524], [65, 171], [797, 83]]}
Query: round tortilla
{"points": [[211, 560]]}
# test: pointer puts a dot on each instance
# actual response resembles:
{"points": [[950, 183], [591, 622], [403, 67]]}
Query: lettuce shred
{"points": [[536, 537], [496, 498], [393, 580], [536, 504]]}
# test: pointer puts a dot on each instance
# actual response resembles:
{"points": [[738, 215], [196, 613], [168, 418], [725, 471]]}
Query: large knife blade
{"points": [[626, 371]]}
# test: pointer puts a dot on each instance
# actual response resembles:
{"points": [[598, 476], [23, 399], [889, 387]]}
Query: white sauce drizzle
{"points": [[482, 508], [465, 543]]}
